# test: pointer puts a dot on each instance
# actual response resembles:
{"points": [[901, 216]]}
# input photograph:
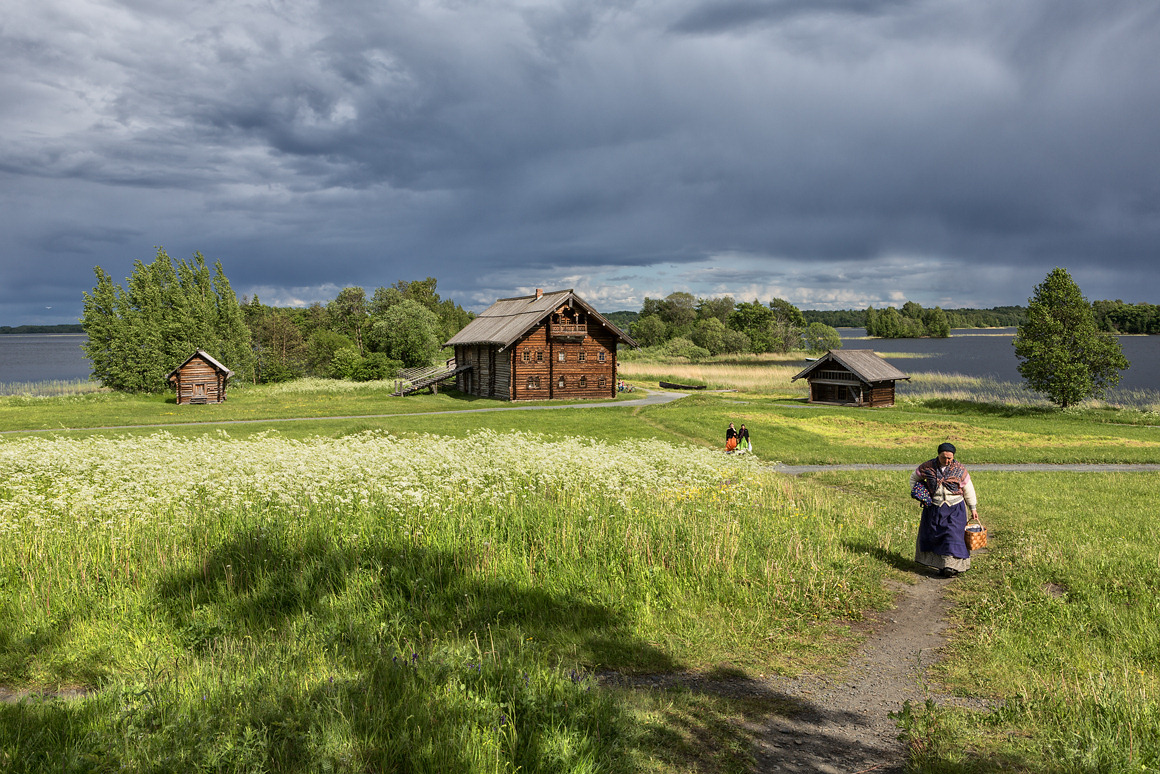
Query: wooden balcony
{"points": [[568, 331]]}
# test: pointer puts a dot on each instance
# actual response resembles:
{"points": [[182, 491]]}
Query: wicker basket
{"points": [[975, 535]]}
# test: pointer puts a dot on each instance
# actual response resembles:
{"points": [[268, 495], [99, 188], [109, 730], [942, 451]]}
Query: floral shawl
{"points": [[953, 477]]}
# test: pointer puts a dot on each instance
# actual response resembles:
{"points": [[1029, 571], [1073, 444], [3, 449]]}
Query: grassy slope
{"points": [[1057, 618]]}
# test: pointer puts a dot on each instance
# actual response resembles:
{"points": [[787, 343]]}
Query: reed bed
{"points": [[370, 603], [748, 373], [50, 388]]}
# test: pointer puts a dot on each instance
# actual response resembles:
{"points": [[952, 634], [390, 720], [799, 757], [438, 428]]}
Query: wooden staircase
{"points": [[427, 376]]}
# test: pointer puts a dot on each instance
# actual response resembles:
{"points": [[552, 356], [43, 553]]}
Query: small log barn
{"points": [[851, 377], [200, 379], [550, 345]]}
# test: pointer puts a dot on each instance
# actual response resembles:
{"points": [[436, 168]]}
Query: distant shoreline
{"points": [[26, 329]]}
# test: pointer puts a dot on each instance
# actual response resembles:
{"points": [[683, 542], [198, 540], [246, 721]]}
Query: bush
{"points": [[376, 366], [681, 347], [344, 363], [275, 372]]}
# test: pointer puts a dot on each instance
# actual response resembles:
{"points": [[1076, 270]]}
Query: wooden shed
{"points": [[851, 377], [200, 379], [540, 347]]}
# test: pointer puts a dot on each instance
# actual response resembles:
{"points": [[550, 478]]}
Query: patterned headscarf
{"points": [[951, 476]]}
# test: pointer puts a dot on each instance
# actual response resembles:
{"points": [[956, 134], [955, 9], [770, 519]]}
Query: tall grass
{"points": [[367, 603], [50, 388], [750, 373]]}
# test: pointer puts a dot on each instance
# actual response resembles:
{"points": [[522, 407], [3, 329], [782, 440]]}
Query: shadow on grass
{"points": [[305, 653], [892, 558]]}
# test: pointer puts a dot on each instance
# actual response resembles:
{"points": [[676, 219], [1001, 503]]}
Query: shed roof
{"points": [[866, 364], [204, 356], [508, 319]]}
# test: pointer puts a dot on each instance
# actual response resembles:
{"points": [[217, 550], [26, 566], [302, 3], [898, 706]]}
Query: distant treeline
{"points": [[168, 309], [995, 317], [68, 328], [1118, 317]]}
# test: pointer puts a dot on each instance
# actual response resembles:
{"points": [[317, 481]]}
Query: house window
{"points": [[583, 356], [562, 358], [527, 355], [560, 384], [601, 382], [601, 356], [583, 381], [539, 355], [533, 382]]}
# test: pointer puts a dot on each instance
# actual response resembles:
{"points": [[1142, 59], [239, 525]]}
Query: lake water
{"points": [[989, 352], [42, 358], [969, 351]]}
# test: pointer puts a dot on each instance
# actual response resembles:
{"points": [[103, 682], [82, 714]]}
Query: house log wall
{"points": [[504, 373], [198, 372], [876, 394]]}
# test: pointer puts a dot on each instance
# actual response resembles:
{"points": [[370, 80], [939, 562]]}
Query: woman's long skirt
{"points": [[940, 537]]}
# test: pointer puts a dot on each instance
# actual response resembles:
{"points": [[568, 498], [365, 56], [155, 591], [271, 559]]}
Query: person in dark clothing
{"points": [[743, 441], [730, 438], [944, 488]]}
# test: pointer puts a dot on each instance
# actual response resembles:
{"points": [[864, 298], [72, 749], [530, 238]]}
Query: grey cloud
{"points": [[369, 142]]}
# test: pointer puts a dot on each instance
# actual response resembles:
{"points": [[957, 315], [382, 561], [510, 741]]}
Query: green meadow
{"points": [[419, 586]]}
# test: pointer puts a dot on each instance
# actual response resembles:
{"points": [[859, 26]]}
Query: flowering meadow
{"points": [[374, 603]]}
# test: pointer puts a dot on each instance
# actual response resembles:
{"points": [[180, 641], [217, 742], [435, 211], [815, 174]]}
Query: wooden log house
{"points": [[541, 347], [200, 379], [851, 377]]}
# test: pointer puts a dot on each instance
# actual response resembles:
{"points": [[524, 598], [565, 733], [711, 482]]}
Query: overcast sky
{"points": [[836, 153]]}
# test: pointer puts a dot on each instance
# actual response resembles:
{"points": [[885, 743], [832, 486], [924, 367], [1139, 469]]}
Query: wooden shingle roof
{"points": [[204, 356], [508, 319], [866, 364]]}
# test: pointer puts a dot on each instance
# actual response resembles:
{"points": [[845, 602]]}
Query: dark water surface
{"points": [[42, 357], [989, 352]]}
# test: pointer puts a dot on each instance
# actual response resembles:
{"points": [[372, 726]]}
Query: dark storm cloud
{"points": [[832, 152], [712, 18]]}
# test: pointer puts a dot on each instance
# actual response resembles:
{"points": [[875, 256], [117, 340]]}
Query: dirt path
{"points": [[844, 722], [840, 723]]}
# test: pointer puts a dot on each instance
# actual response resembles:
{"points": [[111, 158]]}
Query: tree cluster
{"points": [[911, 322], [353, 337], [138, 334], [1119, 317], [168, 310], [995, 317], [682, 325]]}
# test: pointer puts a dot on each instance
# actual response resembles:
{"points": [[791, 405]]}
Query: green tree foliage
{"points": [[757, 321], [321, 348], [349, 314], [649, 330], [911, 323], [678, 311], [279, 348], [1119, 317], [936, 323], [787, 313], [1062, 354], [452, 317], [166, 312], [820, 337], [408, 332], [682, 347], [719, 308]]}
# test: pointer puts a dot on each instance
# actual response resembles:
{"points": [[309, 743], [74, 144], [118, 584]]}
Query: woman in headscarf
{"points": [[944, 488]]}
